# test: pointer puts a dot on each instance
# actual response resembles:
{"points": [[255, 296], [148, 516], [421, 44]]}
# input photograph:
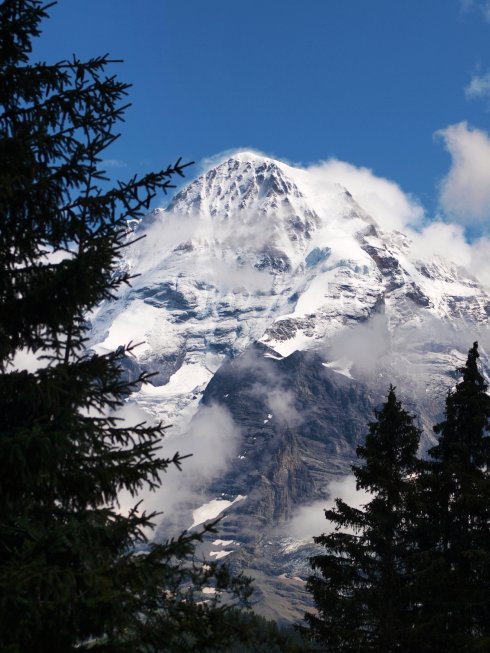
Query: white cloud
{"points": [[216, 249], [448, 241], [479, 86], [366, 343], [212, 438], [383, 199], [444, 240], [281, 405], [480, 260], [465, 191], [229, 276], [309, 521]]}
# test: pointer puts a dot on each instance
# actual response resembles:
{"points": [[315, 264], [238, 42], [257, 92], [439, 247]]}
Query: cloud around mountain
{"points": [[465, 190], [380, 197], [463, 196]]}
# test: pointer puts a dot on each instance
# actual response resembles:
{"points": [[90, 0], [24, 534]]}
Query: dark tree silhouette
{"points": [[454, 559], [362, 581], [69, 577]]}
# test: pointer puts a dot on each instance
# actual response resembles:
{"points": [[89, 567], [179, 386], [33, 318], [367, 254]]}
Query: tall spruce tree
{"points": [[454, 574], [69, 579], [361, 583]]}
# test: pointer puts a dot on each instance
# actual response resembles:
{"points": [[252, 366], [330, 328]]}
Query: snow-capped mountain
{"points": [[248, 253], [283, 303]]}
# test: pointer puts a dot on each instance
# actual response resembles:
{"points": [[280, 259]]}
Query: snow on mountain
{"points": [[252, 251], [276, 310]]}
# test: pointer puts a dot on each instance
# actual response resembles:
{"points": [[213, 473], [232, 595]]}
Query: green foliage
{"points": [[454, 557], [361, 581], [69, 577]]}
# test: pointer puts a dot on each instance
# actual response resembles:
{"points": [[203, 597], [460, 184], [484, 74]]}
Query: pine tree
{"points": [[454, 574], [361, 585], [69, 577]]}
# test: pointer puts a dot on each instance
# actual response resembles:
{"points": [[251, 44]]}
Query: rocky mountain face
{"points": [[284, 307]]}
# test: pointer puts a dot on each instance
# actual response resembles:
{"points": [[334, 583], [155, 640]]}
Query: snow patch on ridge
{"points": [[212, 510], [341, 367], [219, 554]]}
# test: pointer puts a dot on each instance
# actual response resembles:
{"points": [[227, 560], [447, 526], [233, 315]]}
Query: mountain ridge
{"points": [[277, 315]]}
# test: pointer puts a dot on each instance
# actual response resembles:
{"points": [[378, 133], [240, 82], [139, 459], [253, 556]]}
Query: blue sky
{"points": [[376, 83]]}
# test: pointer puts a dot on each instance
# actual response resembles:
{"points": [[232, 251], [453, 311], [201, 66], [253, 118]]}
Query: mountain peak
{"points": [[301, 259], [246, 181], [249, 156]]}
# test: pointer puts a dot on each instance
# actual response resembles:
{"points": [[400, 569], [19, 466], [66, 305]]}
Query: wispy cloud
{"points": [[309, 520], [113, 163], [212, 438], [483, 6], [479, 87], [281, 404], [354, 341]]}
